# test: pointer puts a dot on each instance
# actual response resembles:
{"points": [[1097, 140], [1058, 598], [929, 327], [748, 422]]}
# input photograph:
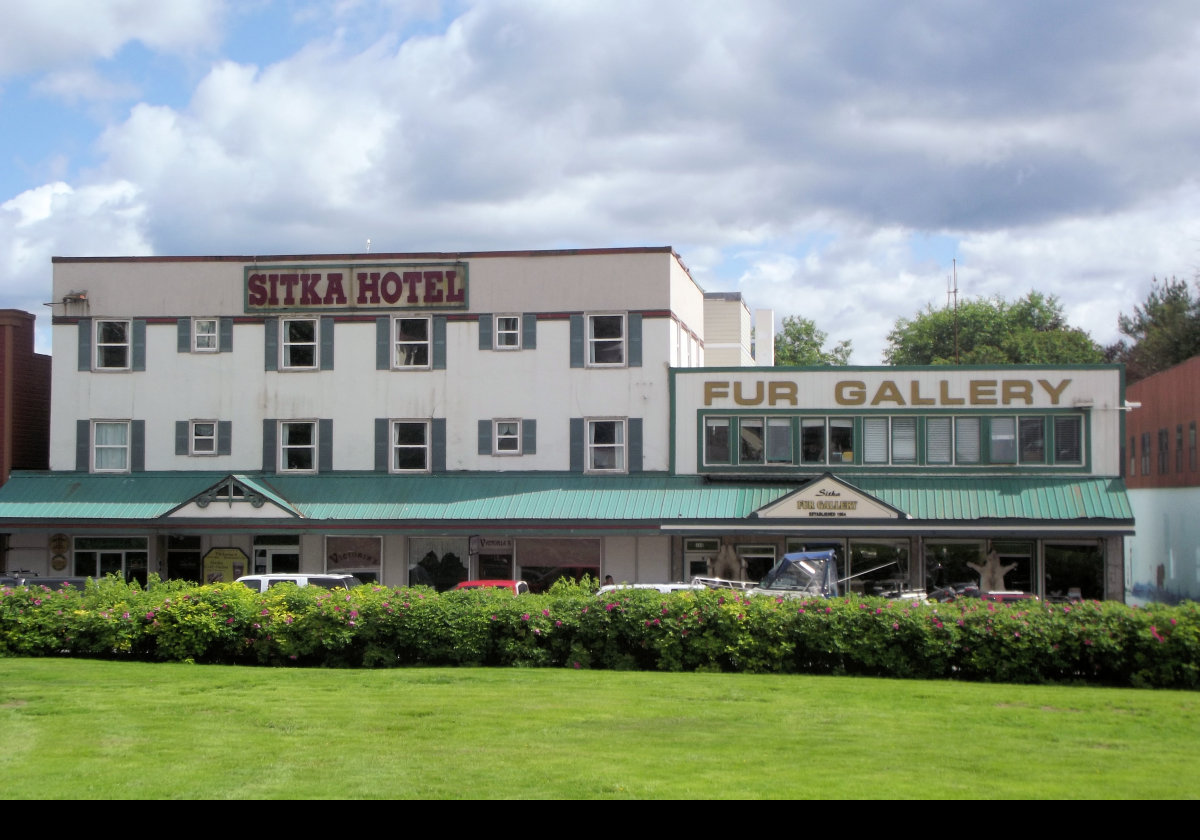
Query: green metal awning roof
{"points": [[43, 498]]}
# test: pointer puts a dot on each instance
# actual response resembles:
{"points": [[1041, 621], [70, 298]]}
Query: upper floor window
{"points": [[410, 445], [110, 446], [605, 446], [204, 437], [1179, 448], [507, 437], [412, 343], [507, 334], [298, 347], [112, 345], [1068, 440], [298, 446], [1145, 453], [1192, 446], [605, 340], [204, 335]]}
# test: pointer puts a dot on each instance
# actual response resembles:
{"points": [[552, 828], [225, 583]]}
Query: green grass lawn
{"points": [[85, 729]]}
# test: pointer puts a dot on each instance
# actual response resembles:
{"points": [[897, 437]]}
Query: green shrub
{"points": [[570, 626]]}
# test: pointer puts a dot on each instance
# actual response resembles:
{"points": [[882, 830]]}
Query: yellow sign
{"points": [[224, 564]]}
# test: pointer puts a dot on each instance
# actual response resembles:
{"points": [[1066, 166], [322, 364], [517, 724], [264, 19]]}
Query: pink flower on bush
{"points": [[287, 619], [577, 664], [558, 624], [895, 625], [265, 611], [800, 611], [546, 613], [1154, 633], [493, 618], [227, 621], [585, 610], [525, 616], [1087, 642]]}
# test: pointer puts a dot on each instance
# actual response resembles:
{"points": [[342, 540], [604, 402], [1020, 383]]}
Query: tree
{"points": [[1163, 331], [801, 343], [992, 331]]}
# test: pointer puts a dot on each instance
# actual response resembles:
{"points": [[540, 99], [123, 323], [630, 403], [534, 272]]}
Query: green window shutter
{"points": [[326, 343], [576, 341], [85, 344], [224, 437], [635, 339], [83, 445], [139, 345], [438, 448], [225, 335], [485, 332], [485, 437], [439, 342], [324, 445], [635, 444], [271, 345], [383, 343], [528, 437], [137, 446], [270, 430], [529, 331], [183, 342], [576, 444], [181, 437], [381, 443]]}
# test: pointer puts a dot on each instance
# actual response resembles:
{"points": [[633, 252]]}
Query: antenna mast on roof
{"points": [[952, 294]]}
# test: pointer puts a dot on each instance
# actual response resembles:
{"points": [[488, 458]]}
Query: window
{"points": [[1068, 440], [204, 437], [751, 440], [1031, 436], [298, 446], [409, 446], [1145, 453], [1133, 455], [966, 440], [716, 440], [204, 335], [110, 446], [1179, 448], [298, 349], [100, 556], [779, 440], [875, 440], [1192, 446], [812, 440], [1004, 440], [412, 343], [605, 446], [112, 345], [605, 340], [506, 437], [1164, 448], [938, 440], [507, 335]]}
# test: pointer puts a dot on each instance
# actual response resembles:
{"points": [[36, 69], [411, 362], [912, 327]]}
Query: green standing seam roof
{"points": [[548, 497]]}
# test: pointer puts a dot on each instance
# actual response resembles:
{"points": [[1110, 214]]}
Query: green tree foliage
{"points": [[1163, 331], [801, 343], [992, 331]]}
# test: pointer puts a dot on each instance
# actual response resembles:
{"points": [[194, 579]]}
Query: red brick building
{"points": [[1160, 436], [24, 397]]}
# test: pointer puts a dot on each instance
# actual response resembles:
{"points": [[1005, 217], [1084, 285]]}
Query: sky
{"points": [[837, 161]]}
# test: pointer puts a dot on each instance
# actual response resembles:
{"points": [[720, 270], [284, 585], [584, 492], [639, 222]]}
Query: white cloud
{"points": [[51, 34]]}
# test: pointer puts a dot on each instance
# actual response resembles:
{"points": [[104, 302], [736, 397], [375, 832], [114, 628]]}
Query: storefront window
{"points": [[1074, 571], [126, 557], [757, 560], [877, 567], [541, 562]]}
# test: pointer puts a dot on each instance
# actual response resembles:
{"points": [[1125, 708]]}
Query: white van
{"points": [[261, 583]]}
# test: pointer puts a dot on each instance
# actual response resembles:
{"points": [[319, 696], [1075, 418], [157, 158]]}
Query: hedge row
{"points": [[374, 626]]}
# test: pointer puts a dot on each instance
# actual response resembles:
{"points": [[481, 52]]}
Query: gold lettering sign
{"points": [[890, 393]]}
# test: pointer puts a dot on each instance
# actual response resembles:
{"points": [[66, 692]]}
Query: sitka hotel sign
{"points": [[336, 287]]}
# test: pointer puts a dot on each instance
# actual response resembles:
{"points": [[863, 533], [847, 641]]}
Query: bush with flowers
{"points": [[570, 626]]}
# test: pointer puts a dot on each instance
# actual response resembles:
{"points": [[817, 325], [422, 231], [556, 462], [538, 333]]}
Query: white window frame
{"points": [[620, 448], [99, 346], [514, 332], [194, 438], [498, 437], [207, 340], [286, 345], [395, 448], [284, 447], [411, 346], [591, 341], [124, 446]]}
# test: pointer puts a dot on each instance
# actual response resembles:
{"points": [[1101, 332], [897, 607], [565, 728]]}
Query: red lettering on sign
{"points": [[432, 293], [257, 290], [391, 287], [453, 295], [334, 293], [273, 298], [289, 281], [308, 290], [412, 278], [366, 286]]}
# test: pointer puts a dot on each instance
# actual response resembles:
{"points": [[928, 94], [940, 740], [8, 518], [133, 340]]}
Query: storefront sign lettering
{"points": [[403, 287], [853, 392]]}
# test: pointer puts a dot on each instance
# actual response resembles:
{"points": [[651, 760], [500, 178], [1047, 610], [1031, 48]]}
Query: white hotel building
{"points": [[432, 417]]}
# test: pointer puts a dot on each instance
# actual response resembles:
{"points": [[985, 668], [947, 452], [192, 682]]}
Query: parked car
{"points": [[261, 583], [518, 587]]}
